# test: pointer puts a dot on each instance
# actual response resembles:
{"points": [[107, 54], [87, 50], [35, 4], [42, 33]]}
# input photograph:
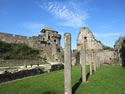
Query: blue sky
{"points": [[105, 18]]}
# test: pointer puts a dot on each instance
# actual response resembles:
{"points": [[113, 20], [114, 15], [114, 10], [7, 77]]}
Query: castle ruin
{"points": [[48, 42]]}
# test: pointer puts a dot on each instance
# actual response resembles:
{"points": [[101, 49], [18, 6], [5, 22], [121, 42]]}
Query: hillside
{"points": [[17, 51]]}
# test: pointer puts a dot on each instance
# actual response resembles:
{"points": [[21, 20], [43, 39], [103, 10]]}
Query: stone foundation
{"points": [[13, 74]]}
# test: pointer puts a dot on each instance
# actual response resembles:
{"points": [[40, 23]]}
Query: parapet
{"points": [[5, 35], [20, 37]]}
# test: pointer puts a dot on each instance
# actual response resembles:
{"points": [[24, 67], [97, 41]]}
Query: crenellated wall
{"points": [[10, 38], [48, 41]]}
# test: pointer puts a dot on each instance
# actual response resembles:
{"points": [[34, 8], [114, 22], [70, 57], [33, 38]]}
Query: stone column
{"points": [[90, 61], [25, 65], [31, 65], [67, 64], [83, 62], [99, 63], [94, 61]]}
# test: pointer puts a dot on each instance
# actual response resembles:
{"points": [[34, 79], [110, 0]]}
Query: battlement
{"points": [[48, 35], [5, 34], [11, 38], [48, 41]]}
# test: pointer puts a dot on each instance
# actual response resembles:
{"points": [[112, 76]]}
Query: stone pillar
{"points": [[99, 63], [31, 65], [25, 65], [90, 61], [37, 65], [83, 62], [94, 61], [67, 64]]}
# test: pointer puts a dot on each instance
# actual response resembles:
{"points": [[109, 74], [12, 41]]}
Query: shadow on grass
{"points": [[87, 75], [76, 86]]}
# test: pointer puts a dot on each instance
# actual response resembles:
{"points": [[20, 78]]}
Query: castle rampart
{"points": [[48, 40]]}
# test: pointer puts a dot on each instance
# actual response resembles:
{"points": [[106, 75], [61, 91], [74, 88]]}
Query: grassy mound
{"points": [[107, 80], [17, 51]]}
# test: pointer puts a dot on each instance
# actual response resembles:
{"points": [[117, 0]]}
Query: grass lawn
{"points": [[107, 80], [41, 63]]}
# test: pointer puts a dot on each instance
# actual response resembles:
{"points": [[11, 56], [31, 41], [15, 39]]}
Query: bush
{"points": [[108, 48], [76, 51], [62, 54], [18, 51]]}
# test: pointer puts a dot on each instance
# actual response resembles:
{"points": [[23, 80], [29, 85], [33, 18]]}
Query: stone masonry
{"points": [[48, 42], [67, 64], [92, 43], [86, 37]]}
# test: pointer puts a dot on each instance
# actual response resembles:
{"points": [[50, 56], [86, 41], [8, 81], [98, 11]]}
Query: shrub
{"points": [[108, 48], [18, 51], [76, 51]]}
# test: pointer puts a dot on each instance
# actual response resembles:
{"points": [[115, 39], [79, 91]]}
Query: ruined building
{"points": [[92, 43], [48, 42], [86, 37], [119, 52]]}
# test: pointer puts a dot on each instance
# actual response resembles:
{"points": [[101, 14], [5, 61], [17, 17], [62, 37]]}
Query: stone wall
{"points": [[86, 35], [21, 73], [119, 48], [17, 62], [107, 57], [86, 38], [10, 38], [48, 42]]}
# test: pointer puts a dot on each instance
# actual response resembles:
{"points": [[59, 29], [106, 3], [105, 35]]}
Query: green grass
{"points": [[42, 63], [107, 80], [49, 83]]}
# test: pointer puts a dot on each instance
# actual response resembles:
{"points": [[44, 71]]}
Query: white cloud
{"points": [[102, 35], [31, 25], [71, 16]]}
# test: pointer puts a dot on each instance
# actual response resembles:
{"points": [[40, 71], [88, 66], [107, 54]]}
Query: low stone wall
{"points": [[21, 73], [8, 76], [17, 62]]}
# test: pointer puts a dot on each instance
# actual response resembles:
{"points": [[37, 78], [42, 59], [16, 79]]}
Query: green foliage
{"points": [[84, 27], [76, 51], [62, 54], [123, 38], [17, 51], [107, 48], [41, 63]]}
